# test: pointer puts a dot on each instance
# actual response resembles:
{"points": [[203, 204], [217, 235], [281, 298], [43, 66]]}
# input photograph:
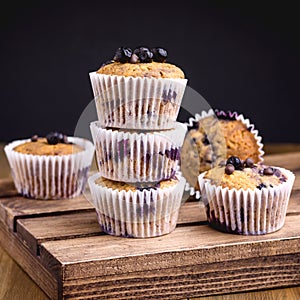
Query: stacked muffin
{"points": [[138, 190]]}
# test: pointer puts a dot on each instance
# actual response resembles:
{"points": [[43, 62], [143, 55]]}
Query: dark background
{"points": [[237, 54]]}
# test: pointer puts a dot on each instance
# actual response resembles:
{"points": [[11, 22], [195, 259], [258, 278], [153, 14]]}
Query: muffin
{"points": [[246, 198], [130, 210], [55, 167], [132, 156], [138, 90], [213, 137]]}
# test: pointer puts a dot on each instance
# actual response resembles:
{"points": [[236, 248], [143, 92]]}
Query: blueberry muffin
{"points": [[54, 167], [246, 198], [129, 210], [138, 90], [132, 156]]}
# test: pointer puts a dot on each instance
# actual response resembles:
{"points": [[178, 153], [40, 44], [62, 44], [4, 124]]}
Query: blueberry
{"points": [[144, 54], [236, 162], [229, 169], [123, 55], [249, 162], [52, 138], [159, 54], [34, 138], [268, 171], [261, 186], [55, 137], [60, 137], [134, 59], [137, 50]]}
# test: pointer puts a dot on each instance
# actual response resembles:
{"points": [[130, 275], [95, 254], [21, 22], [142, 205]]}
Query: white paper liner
{"points": [[130, 156], [247, 212], [50, 176], [140, 214], [200, 116], [137, 102]]}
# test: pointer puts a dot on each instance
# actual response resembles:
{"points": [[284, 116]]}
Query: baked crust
{"points": [[41, 147], [153, 69], [120, 186]]}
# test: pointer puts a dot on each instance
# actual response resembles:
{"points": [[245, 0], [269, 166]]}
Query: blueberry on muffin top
{"points": [[141, 62], [55, 143], [245, 174]]}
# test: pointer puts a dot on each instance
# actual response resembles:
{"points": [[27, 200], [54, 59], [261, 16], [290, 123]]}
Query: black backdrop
{"points": [[237, 57]]}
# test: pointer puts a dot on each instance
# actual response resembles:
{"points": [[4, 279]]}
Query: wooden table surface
{"points": [[16, 284]]}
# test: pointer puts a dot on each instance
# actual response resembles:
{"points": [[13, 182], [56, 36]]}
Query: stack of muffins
{"points": [[138, 189]]}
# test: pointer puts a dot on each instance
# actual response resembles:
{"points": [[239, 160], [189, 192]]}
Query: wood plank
{"points": [[193, 289], [34, 231], [18, 207], [289, 293], [205, 278], [29, 263], [103, 255]]}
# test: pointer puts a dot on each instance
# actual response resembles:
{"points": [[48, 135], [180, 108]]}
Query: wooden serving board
{"points": [[59, 244]]}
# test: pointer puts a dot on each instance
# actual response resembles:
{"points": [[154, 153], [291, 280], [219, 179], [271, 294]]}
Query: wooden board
{"points": [[60, 245]]}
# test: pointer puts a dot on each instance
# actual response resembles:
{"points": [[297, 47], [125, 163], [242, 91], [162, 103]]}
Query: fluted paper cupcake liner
{"points": [[137, 213], [136, 102], [130, 156], [229, 115], [215, 152], [50, 176], [247, 212]]}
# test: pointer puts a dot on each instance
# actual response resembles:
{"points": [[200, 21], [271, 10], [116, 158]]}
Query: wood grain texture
{"points": [[30, 264], [80, 262], [18, 207], [15, 283], [82, 224], [186, 245]]}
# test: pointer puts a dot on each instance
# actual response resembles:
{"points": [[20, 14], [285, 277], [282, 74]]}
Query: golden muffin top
{"points": [[245, 175], [153, 69], [120, 186], [48, 146]]}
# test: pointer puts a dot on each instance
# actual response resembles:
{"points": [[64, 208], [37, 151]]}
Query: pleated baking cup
{"points": [[137, 213], [247, 212], [50, 176], [233, 115], [137, 102], [215, 146], [131, 156]]}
